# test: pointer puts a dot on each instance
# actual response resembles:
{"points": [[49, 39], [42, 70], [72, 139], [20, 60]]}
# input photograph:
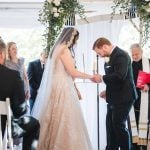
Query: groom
{"points": [[120, 93], [12, 86]]}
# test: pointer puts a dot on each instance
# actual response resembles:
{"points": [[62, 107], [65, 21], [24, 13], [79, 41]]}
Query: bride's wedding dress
{"points": [[62, 126]]}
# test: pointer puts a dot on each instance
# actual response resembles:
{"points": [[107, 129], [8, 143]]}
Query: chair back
{"points": [[6, 141]]}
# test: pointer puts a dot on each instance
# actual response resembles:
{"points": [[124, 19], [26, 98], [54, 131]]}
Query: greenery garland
{"points": [[142, 10], [54, 15]]}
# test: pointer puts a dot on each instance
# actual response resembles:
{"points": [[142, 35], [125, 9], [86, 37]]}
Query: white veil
{"points": [[67, 37]]}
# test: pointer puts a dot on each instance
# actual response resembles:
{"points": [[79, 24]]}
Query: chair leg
{"points": [[5, 140]]}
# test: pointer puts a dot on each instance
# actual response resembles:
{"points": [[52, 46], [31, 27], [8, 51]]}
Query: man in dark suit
{"points": [[35, 72], [120, 93], [12, 86]]}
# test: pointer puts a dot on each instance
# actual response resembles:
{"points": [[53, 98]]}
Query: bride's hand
{"points": [[96, 78], [78, 92]]}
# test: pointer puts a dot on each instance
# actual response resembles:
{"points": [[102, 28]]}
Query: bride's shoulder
{"points": [[63, 48]]}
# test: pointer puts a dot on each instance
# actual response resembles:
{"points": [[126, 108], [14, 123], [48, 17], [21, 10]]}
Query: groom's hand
{"points": [[103, 94], [97, 78]]}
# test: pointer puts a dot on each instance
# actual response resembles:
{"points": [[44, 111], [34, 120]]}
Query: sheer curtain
{"points": [[85, 59]]}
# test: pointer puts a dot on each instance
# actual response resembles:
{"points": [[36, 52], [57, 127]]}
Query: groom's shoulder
{"points": [[34, 62], [121, 52]]}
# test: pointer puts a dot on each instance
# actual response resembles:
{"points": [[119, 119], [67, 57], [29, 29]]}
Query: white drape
{"points": [[85, 59]]}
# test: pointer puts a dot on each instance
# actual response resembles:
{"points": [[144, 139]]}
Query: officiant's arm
{"points": [[68, 62]]}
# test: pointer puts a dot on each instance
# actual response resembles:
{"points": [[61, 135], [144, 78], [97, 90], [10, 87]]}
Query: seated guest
{"points": [[12, 86]]}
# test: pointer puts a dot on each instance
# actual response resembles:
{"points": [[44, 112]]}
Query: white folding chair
{"points": [[6, 143]]}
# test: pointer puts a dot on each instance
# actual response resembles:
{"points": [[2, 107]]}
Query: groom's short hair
{"points": [[100, 42]]}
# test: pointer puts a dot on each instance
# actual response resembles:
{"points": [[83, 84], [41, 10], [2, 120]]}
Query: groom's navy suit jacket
{"points": [[34, 72], [119, 81]]}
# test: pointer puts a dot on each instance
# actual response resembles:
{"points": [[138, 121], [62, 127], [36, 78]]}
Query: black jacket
{"points": [[34, 75], [12, 86], [119, 81]]}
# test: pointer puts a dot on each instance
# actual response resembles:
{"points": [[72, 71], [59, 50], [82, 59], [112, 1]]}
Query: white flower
{"points": [[148, 9], [50, 1], [60, 10], [56, 14], [54, 10], [57, 2]]}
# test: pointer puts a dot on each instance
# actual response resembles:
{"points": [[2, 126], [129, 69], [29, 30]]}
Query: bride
{"points": [[57, 106]]}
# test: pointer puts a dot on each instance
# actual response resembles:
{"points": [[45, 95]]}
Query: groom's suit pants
{"points": [[117, 133]]}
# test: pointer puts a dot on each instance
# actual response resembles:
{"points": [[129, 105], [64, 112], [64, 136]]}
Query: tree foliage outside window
{"points": [[54, 14], [142, 10]]}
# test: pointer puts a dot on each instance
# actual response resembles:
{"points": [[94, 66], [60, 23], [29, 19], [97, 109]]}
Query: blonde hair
{"points": [[9, 44]]}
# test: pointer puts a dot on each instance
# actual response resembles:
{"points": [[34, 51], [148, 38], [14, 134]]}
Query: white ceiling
{"points": [[16, 13]]}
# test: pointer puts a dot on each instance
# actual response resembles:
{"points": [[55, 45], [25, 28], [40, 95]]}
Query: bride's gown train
{"points": [[63, 126]]}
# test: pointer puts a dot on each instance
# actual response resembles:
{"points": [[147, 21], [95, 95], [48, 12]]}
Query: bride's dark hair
{"points": [[68, 36], [71, 47]]}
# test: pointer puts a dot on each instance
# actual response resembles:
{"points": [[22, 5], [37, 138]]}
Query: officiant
{"points": [[142, 114]]}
